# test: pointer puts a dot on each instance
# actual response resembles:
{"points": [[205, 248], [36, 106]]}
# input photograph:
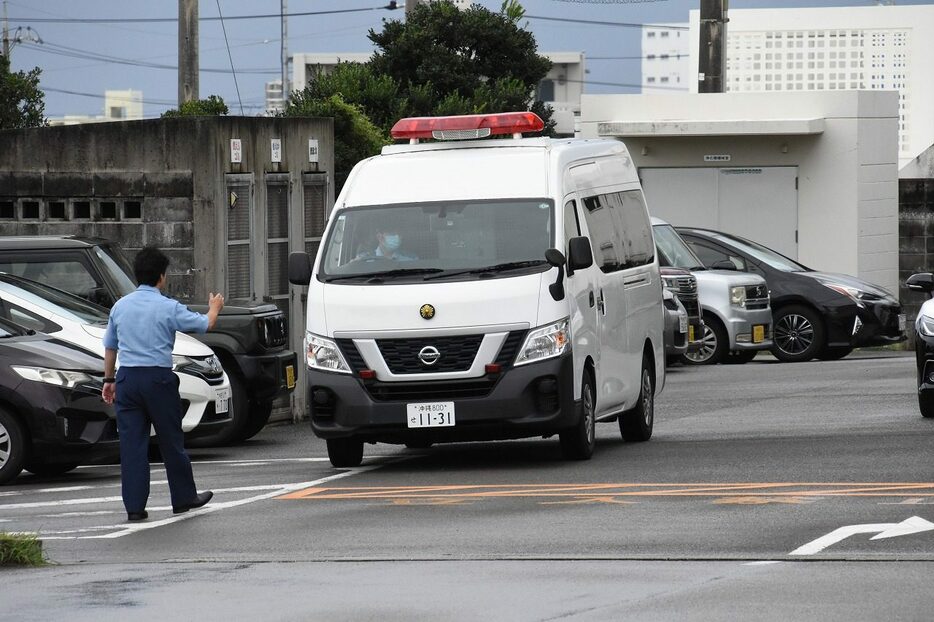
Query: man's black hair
{"points": [[149, 265]]}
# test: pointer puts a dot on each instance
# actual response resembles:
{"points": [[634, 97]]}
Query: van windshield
{"points": [[456, 238], [672, 250]]}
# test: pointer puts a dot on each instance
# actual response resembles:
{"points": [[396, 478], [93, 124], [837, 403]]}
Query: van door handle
{"points": [[601, 303], [591, 299]]}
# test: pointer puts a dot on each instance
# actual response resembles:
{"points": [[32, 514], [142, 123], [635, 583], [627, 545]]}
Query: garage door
{"points": [[759, 203]]}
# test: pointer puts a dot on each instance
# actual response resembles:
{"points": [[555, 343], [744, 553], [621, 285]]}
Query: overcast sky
{"points": [[254, 43]]}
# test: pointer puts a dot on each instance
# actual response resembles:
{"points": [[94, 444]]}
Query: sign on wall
{"points": [[312, 150], [236, 151], [718, 157], [276, 146]]}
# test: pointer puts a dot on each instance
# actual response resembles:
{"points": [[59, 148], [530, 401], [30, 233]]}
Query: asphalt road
{"points": [[769, 491]]}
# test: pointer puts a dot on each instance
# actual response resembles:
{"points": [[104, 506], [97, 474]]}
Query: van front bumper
{"points": [[532, 400]]}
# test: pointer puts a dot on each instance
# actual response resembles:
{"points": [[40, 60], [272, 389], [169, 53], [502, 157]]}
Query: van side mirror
{"points": [[580, 255], [299, 269], [556, 258], [921, 282]]}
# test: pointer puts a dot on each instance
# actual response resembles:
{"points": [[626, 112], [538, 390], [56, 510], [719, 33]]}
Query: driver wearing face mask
{"points": [[390, 246]]}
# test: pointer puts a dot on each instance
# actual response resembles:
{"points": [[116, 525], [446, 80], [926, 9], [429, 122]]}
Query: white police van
{"points": [[472, 289]]}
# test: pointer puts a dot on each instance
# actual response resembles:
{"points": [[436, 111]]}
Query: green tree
{"points": [[22, 102], [212, 106], [355, 136], [470, 61]]}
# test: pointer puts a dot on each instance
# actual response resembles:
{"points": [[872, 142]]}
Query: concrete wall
{"points": [[843, 143]]}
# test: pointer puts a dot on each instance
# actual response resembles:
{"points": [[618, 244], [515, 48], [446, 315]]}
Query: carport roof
{"points": [[729, 127]]}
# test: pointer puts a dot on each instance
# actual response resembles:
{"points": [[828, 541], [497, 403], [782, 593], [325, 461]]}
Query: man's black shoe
{"points": [[136, 516], [201, 499]]}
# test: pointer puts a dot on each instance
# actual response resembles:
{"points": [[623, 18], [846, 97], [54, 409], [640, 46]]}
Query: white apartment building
{"points": [[562, 87], [118, 106], [274, 101], [665, 58], [836, 48]]}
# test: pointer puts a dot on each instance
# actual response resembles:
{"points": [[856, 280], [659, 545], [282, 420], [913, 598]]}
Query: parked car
{"points": [[203, 385], [52, 417], [249, 338], [815, 314], [734, 305], [676, 326], [683, 284], [924, 342]]}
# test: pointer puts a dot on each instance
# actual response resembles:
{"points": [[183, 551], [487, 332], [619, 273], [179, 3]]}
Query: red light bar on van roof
{"points": [[469, 126]]}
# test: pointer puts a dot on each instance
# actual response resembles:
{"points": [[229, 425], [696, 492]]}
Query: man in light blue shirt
{"points": [[142, 329]]}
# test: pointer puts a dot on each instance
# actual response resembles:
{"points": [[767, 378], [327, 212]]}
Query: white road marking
{"points": [[765, 562], [132, 528], [912, 525]]}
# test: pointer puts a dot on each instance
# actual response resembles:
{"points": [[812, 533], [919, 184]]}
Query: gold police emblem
{"points": [[427, 312]]}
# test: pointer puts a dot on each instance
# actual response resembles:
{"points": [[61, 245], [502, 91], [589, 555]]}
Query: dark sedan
{"points": [[815, 314], [52, 417]]}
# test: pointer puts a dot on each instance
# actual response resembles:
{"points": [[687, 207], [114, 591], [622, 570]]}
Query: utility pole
{"points": [[285, 53], [711, 77], [188, 68], [410, 6], [6, 34]]}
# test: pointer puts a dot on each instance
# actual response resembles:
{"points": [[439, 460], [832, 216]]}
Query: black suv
{"points": [[249, 339], [815, 314]]}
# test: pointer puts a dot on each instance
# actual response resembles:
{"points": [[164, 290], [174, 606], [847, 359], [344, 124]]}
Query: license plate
{"points": [[902, 321], [290, 376], [434, 415], [683, 324], [222, 400], [691, 332], [758, 333]]}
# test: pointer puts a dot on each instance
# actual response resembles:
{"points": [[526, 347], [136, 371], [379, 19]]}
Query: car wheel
{"points": [[714, 346], [740, 357], [635, 425], [51, 469], [259, 417], [232, 432], [345, 452], [926, 403], [12, 447], [579, 441], [798, 334], [834, 354]]}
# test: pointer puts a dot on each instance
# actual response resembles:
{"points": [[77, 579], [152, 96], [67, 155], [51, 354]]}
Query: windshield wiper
{"points": [[385, 273], [500, 267]]}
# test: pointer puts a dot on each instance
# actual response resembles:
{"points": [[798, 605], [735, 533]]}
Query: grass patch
{"points": [[19, 549]]}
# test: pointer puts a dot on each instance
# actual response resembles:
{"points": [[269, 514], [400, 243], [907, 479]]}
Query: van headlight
{"points": [[545, 343], [926, 325], [738, 296], [58, 377], [323, 353]]}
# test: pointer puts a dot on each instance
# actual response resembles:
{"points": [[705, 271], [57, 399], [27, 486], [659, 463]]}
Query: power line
{"points": [[168, 20], [605, 23], [154, 102], [232, 70]]}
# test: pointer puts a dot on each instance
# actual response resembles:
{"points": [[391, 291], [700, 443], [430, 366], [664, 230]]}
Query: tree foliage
{"points": [[355, 136], [22, 102], [211, 107]]}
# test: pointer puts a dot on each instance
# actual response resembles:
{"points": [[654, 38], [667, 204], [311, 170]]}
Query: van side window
{"points": [[603, 239], [637, 229]]}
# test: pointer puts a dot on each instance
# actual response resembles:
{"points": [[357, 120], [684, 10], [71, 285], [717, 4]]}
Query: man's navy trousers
{"points": [[149, 396]]}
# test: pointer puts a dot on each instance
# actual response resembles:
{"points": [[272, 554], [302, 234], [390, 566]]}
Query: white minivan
{"points": [[471, 289]]}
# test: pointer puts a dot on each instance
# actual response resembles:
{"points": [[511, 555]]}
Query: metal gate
{"points": [[315, 193], [239, 243], [277, 240]]}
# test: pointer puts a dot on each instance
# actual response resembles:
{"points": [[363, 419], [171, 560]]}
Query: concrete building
{"points": [[227, 198], [274, 100], [562, 87], [813, 175], [665, 58], [836, 48], [118, 106]]}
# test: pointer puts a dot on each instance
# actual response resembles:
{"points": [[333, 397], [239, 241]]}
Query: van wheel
{"points": [[635, 424], [12, 447], [798, 334], [926, 403], [578, 442], [715, 344], [345, 452]]}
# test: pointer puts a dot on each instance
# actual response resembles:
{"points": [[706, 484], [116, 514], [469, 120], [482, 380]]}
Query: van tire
{"points": [[579, 441], [12, 446], [635, 424], [716, 344], [345, 452]]}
